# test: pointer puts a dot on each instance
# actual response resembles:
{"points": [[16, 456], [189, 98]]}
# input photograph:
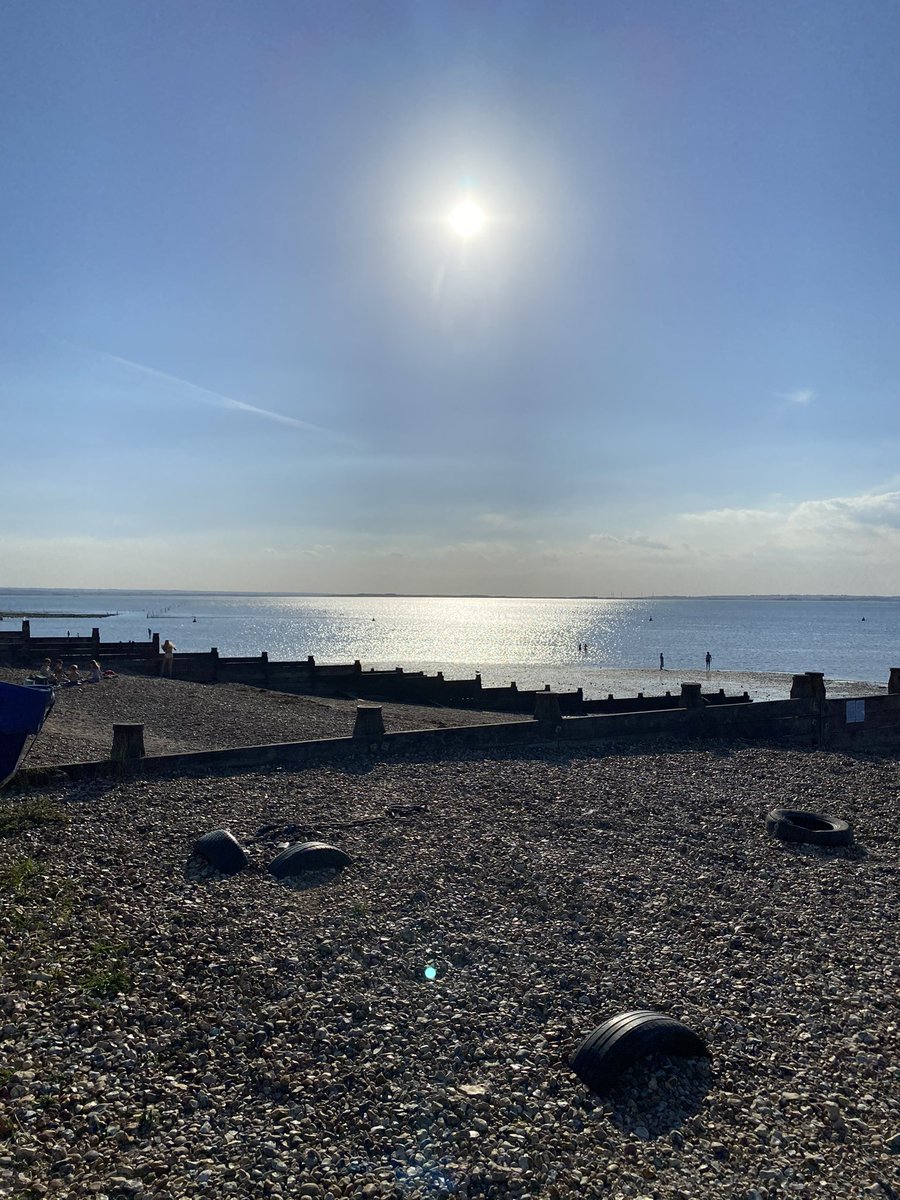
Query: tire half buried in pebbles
{"points": [[621, 1040], [221, 850], [308, 856]]}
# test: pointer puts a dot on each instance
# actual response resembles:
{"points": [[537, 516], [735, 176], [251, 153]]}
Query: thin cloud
{"points": [[208, 396], [799, 396], [639, 540]]}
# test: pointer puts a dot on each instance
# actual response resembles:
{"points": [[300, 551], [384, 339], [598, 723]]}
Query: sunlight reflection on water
{"points": [[518, 638]]}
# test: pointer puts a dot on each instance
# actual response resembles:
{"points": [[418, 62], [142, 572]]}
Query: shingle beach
{"points": [[170, 1033]]}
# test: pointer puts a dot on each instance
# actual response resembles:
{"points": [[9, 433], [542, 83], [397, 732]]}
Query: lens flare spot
{"points": [[431, 972]]}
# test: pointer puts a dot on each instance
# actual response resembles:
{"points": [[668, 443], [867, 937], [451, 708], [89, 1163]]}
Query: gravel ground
{"points": [[179, 716], [168, 1033]]}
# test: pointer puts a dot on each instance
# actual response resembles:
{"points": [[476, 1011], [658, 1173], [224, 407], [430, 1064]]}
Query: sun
{"points": [[467, 219]]}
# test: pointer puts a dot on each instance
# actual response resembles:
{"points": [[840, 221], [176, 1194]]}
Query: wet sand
{"points": [[599, 682]]}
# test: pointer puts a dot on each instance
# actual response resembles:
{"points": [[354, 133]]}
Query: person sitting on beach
{"points": [[96, 674], [44, 677], [73, 679]]}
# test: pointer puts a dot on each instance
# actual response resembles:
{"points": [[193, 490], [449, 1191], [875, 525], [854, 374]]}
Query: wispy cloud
{"points": [[638, 540], [799, 396]]}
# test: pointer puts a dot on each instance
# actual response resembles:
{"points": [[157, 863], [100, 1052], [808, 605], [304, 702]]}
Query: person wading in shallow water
{"points": [[662, 663], [708, 660], [168, 657]]}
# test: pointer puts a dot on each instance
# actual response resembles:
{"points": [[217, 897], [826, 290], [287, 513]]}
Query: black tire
{"points": [[818, 829], [308, 856], [221, 850], [618, 1042]]}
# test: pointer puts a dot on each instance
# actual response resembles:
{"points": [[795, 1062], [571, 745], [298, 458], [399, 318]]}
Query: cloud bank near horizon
{"points": [[837, 545]]}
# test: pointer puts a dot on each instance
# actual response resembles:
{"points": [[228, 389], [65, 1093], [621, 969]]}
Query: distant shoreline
{"points": [[27, 616], [151, 591]]}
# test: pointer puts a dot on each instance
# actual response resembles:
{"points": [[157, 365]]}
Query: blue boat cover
{"points": [[23, 709]]}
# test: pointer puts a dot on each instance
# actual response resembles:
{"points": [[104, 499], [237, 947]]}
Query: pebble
{"points": [[550, 890]]}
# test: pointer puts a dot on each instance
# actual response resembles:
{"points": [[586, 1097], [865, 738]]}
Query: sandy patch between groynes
{"points": [[598, 682], [179, 717]]}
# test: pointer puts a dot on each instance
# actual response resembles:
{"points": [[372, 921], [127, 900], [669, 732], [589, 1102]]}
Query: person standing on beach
{"points": [[168, 658], [708, 660], [662, 663]]}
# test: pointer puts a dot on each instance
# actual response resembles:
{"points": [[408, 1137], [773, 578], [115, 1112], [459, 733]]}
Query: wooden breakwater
{"points": [[18, 648], [308, 677], [809, 721]]}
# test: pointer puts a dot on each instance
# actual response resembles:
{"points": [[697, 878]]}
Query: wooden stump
{"points": [[690, 696], [128, 743], [369, 721], [801, 688]]}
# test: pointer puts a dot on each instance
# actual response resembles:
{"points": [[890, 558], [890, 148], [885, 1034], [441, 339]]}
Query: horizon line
{"points": [[467, 595]]}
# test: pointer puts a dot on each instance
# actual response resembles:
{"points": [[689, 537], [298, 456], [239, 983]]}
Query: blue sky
{"points": [[241, 345]]}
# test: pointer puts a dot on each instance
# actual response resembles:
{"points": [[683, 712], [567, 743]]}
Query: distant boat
{"points": [[23, 711]]}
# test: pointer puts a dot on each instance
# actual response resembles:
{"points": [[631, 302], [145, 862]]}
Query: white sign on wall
{"points": [[856, 710]]}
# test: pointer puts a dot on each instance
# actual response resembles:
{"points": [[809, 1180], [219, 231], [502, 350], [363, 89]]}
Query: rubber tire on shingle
{"points": [[221, 850], [308, 856], [620, 1041], [818, 829]]}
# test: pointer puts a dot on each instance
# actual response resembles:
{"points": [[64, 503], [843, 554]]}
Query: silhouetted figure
{"points": [[168, 658], [708, 660], [662, 663]]}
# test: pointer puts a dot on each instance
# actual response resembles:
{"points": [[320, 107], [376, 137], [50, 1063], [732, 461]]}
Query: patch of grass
{"points": [[359, 908], [115, 981], [15, 878], [106, 950], [30, 814], [111, 976]]}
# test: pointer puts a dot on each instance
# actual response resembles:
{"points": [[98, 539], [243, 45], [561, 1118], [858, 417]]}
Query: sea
{"points": [[530, 640]]}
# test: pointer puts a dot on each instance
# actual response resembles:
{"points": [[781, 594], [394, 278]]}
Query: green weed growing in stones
{"points": [[30, 814], [111, 976], [16, 877]]}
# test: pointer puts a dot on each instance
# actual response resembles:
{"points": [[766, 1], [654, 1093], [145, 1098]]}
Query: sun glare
{"points": [[467, 219]]}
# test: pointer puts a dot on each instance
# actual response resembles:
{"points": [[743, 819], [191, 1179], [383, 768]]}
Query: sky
{"points": [[244, 346]]}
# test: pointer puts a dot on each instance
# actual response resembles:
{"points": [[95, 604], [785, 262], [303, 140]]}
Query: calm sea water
{"points": [[504, 638]]}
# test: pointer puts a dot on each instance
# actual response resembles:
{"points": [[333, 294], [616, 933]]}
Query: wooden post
{"points": [[369, 721], [800, 687], [127, 744], [816, 683], [546, 708], [690, 696]]}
